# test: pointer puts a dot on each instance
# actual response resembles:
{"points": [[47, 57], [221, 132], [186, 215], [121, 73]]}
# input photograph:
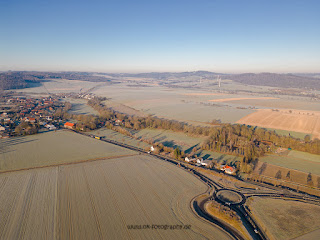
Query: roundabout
{"points": [[230, 197]]}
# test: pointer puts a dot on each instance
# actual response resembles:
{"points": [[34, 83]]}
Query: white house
{"points": [[2, 128], [51, 127], [151, 148], [190, 159], [207, 163], [200, 160]]}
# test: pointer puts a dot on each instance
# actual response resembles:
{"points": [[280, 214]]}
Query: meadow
{"points": [[285, 219], [52, 148], [98, 200], [301, 161]]}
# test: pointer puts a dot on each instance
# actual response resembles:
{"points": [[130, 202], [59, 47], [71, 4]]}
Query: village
{"points": [[25, 115]]}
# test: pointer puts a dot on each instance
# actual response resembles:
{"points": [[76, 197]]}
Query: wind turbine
{"points": [[219, 81]]}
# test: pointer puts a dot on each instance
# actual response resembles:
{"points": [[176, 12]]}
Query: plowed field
{"points": [[290, 120]]}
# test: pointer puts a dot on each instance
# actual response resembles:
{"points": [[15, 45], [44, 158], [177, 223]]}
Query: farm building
{"points": [[189, 159], [228, 169], [69, 125], [199, 160]]}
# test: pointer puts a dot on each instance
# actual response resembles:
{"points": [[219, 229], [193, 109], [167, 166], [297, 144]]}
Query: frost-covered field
{"points": [[283, 219], [98, 200], [51, 148]]}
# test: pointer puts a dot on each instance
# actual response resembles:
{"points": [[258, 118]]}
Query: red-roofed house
{"points": [[33, 120], [228, 169], [69, 125]]}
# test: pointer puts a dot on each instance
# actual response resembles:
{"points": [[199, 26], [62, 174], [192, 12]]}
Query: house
{"points": [[228, 169], [7, 120], [42, 123], [118, 122], [2, 128], [207, 163], [4, 135], [189, 159], [32, 120], [50, 127], [199, 161], [29, 119], [69, 125], [151, 148]]}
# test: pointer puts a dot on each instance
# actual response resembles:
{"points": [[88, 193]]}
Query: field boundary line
{"points": [[70, 163]]}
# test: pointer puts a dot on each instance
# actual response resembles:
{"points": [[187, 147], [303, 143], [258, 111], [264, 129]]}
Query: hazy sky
{"points": [[160, 35]]}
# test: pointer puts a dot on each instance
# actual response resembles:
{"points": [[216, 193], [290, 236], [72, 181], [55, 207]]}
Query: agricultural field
{"points": [[100, 199], [51, 148], [219, 158], [116, 136], [195, 105], [170, 138], [290, 120], [301, 161], [280, 132], [60, 86], [119, 107], [284, 102], [80, 106], [178, 104], [285, 219], [288, 174], [239, 99]]}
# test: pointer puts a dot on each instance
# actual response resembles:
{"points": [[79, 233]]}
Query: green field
{"points": [[52, 148], [286, 133], [300, 161], [284, 219], [305, 156]]}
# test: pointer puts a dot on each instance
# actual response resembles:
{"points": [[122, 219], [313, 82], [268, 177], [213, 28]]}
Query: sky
{"points": [[227, 36]]}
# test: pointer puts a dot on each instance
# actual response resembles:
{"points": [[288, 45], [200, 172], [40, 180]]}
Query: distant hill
{"points": [[167, 75], [16, 80], [276, 80]]}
